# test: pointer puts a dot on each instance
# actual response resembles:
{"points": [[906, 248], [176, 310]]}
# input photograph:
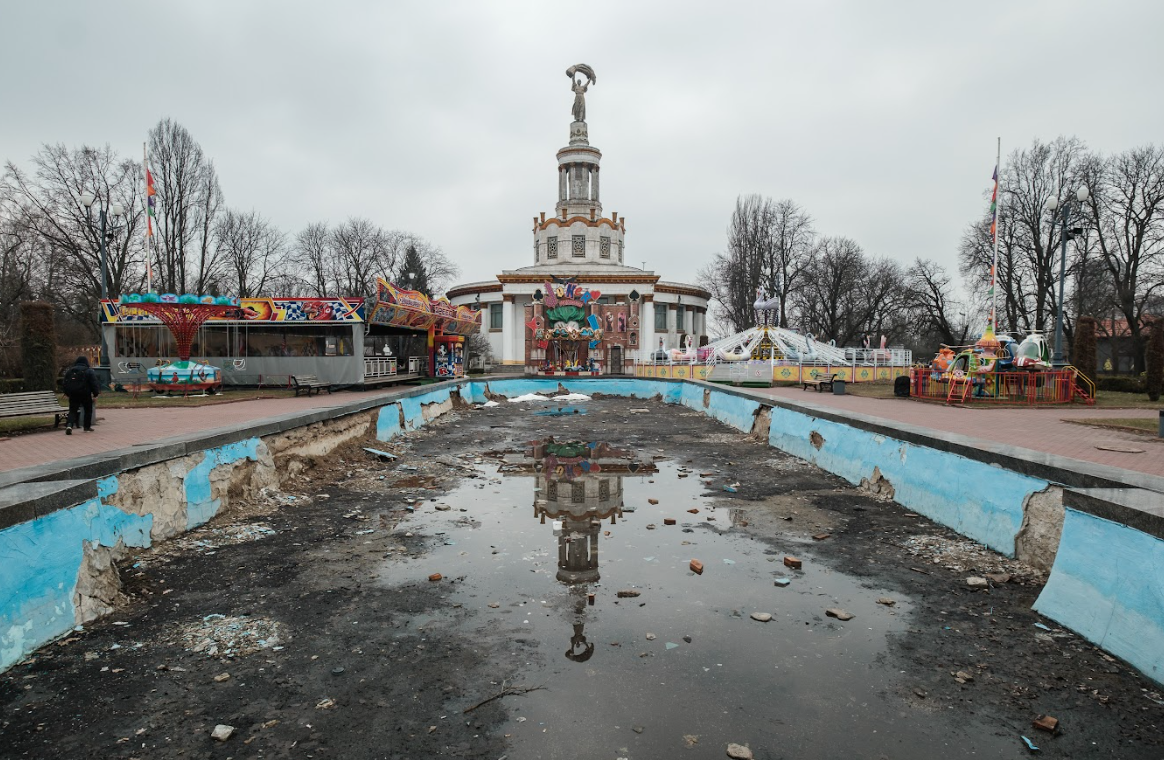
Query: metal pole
{"points": [[103, 374], [1057, 359]]}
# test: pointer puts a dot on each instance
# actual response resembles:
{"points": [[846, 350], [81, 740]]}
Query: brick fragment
{"points": [[652, 501], [697, 567], [792, 562], [821, 536], [435, 577], [1046, 723], [668, 520]]}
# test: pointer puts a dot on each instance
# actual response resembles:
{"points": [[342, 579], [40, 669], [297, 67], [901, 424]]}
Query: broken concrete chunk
{"points": [[792, 562], [886, 601], [651, 637], [222, 732], [696, 567], [739, 752], [962, 676], [763, 617], [1046, 723], [628, 593], [222, 677], [652, 501], [999, 577], [975, 581], [839, 614], [781, 582], [821, 536]]}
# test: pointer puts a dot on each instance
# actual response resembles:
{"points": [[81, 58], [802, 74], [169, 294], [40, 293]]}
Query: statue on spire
{"points": [[580, 86]]}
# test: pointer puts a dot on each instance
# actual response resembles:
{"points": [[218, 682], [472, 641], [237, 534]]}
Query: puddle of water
{"points": [[568, 520]]}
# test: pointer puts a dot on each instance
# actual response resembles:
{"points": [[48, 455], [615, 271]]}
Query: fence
{"points": [[1021, 388]]}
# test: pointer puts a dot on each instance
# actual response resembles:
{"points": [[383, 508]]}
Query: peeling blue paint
{"points": [[388, 422], [106, 487], [413, 406], [728, 408], [41, 560], [200, 504], [974, 498], [1107, 585]]}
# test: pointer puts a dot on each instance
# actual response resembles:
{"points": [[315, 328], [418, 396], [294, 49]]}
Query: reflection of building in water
{"points": [[579, 486]]}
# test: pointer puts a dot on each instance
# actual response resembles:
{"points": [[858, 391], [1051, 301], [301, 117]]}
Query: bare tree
{"points": [[362, 251], [932, 304], [769, 243], [1127, 201], [312, 257], [189, 199], [251, 250], [65, 247]]}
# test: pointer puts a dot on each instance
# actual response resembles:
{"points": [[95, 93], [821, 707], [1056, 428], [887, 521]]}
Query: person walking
{"points": [[80, 385]]}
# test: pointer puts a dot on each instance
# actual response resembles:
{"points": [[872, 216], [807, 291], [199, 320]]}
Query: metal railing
{"points": [[380, 366], [1021, 388]]}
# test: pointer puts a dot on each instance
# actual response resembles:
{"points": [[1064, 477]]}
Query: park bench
{"points": [[33, 404], [819, 384], [309, 383]]}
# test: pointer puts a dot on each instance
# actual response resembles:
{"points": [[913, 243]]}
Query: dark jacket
{"points": [[90, 376]]}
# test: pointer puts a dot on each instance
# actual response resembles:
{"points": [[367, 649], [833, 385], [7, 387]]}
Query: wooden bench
{"points": [[309, 383], [819, 385], [33, 404]]}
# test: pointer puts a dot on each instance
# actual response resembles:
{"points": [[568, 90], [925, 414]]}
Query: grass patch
{"points": [[1134, 424], [18, 425], [146, 399], [1122, 400]]}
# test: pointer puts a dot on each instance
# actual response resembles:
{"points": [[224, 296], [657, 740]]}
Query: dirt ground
{"points": [[281, 618]]}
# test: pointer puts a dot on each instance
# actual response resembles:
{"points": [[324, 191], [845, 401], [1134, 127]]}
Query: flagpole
{"points": [[994, 264], [145, 177]]}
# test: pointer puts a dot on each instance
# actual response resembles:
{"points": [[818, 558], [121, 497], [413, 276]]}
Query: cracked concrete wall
{"points": [[1038, 539], [762, 424], [877, 485], [98, 589]]}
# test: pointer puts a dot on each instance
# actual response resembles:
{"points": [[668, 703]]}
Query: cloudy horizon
{"points": [[443, 119]]}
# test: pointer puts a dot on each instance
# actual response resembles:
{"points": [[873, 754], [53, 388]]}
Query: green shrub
{"points": [[38, 346], [1083, 352], [1154, 378], [12, 385], [1120, 384]]}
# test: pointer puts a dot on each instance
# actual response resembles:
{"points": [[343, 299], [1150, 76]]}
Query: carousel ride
{"points": [[769, 342], [183, 315]]}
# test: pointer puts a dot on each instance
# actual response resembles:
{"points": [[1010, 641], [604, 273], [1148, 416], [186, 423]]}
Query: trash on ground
{"points": [[572, 397], [490, 404], [781, 582], [1043, 627], [383, 456], [1030, 744], [729, 489], [218, 635]]}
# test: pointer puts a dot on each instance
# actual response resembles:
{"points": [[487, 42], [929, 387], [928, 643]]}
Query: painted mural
{"points": [[342, 310]]}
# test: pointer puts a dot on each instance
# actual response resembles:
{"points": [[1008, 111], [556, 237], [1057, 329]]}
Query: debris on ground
{"points": [[781, 582], [963, 555], [628, 593], [792, 562], [208, 540], [383, 456], [839, 614], [975, 581], [1046, 723], [572, 397], [222, 732], [696, 567], [763, 617], [886, 601], [963, 677], [739, 752], [435, 577], [221, 636], [1030, 744]]}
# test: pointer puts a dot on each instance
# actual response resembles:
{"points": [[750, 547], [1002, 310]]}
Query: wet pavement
{"points": [[316, 605]]}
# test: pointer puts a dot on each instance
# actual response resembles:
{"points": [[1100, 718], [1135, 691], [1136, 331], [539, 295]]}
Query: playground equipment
{"points": [[183, 316], [688, 355], [997, 369]]}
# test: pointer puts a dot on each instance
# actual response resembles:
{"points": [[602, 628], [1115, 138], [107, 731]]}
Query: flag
{"points": [[150, 193]]}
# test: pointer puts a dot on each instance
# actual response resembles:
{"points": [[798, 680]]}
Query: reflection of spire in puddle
{"points": [[579, 485]]}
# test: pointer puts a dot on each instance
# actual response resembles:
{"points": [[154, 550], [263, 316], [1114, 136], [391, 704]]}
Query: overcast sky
{"points": [[443, 118]]}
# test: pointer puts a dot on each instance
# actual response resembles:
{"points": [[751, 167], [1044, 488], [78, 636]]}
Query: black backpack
{"points": [[901, 386], [75, 382]]}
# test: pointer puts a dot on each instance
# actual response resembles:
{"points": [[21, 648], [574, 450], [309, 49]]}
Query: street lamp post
{"points": [[108, 215], [1065, 212]]}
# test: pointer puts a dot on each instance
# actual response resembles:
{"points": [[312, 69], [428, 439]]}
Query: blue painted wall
{"points": [[388, 422], [974, 498], [41, 560], [1107, 585], [200, 506]]}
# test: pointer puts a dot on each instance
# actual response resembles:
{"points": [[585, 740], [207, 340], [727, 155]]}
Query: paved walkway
{"points": [[1037, 429], [120, 428], [1042, 429]]}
